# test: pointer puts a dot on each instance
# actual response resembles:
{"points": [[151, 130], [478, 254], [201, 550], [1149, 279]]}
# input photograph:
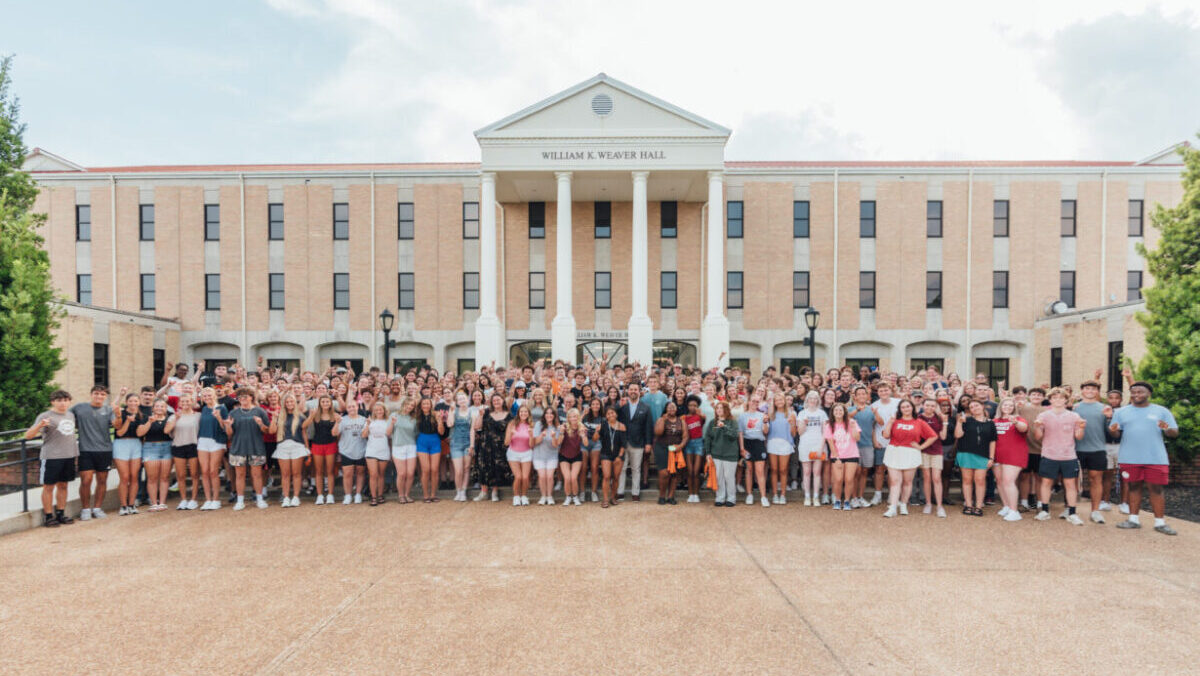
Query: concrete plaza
{"points": [[484, 588]]}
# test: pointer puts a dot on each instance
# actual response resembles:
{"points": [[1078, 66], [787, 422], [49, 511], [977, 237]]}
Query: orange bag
{"points": [[675, 461], [710, 470]]}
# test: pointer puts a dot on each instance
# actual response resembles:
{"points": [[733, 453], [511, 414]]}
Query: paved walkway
{"points": [[487, 588]]}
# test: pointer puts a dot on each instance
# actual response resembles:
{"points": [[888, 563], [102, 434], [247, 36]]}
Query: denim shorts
{"points": [[694, 447], [156, 450], [458, 449], [129, 449]]}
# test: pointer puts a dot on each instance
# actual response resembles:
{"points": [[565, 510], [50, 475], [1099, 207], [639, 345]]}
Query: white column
{"points": [[641, 328], [489, 333], [714, 332], [562, 329]]}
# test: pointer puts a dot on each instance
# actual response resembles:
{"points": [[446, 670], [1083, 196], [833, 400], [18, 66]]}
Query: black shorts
{"points": [[561, 458], [184, 452], [1052, 469], [95, 461], [56, 471], [611, 457], [848, 461], [351, 462], [1035, 462], [757, 448], [1096, 461]]}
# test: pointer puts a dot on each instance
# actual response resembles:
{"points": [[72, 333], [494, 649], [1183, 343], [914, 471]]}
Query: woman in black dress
{"points": [[490, 467]]}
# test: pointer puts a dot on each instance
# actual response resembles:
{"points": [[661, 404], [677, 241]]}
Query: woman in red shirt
{"points": [[693, 422], [907, 437], [1012, 453]]}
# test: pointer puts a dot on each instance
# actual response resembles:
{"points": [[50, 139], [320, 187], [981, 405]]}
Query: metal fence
{"points": [[16, 455]]}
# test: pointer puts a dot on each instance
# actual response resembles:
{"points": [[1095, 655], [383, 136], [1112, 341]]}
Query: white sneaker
{"points": [[260, 503], [741, 489], [285, 501], [1003, 512], [192, 504], [566, 501], [749, 498], [1105, 506], [541, 501], [774, 499], [903, 509], [174, 488], [1063, 514], [876, 499], [358, 498], [1074, 520], [1097, 517], [98, 513], [516, 501], [182, 506], [558, 485], [596, 497], [577, 502], [1012, 516], [942, 512], [495, 496], [240, 505], [1124, 508], [295, 500], [808, 501], [891, 511], [928, 508], [320, 499], [549, 499], [825, 499], [85, 515], [782, 499], [765, 501], [480, 497], [525, 500], [348, 499], [1043, 516]]}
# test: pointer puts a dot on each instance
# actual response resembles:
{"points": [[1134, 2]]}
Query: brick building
{"points": [[603, 221]]}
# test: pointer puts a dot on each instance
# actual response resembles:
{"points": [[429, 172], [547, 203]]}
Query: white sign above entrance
{"points": [[601, 156]]}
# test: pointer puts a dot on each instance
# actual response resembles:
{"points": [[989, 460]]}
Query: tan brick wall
{"points": [[59, 232], [295, 257], [171, 347], [821, 281], [387, 263], [319, 278], [622, 268], [437, 280], [1116, 260], [1034, 244], [654, 262], [767, 255], [1041, 352], [102, 288], [75, 338], [900, 258], [190, 259], [983, 244], [1133, 339], [130, 356], [1087, 245], [231, 258], [1085, 349], [516, 267], [128, 266], [954, 254], [688, 279], [551, 257], [583, 262], [362, 315], [167, 251], [258, 264]]}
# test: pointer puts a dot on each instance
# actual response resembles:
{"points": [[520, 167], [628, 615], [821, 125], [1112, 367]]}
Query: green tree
{"points": [[27, 317], [1172, 317]]}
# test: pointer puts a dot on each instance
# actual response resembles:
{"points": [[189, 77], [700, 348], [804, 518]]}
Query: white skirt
{"points": [[902, 457], [209, 445], [779, 447], [290, 449]]}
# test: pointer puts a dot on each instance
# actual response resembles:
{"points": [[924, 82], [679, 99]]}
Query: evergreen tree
{"points": [[1172, 320], [27, 318]]}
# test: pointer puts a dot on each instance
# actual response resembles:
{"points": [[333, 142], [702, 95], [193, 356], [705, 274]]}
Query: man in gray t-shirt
{"points": [[94, 420], [59, 449], [1090, 449]]}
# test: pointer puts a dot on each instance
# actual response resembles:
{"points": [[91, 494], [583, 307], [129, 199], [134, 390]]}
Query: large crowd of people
{"points": [[849, 439]]}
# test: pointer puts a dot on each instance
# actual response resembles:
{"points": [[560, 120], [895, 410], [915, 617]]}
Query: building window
{"points": [[733, 220], [739, 363], [800, 219], [212, 223], [407, 295], [933, 218], [669, 295], [733, 290], [793, 365], [1000, 289], [406, 222], [537, 291], [857, 364], [995, 370], [275, 221], [933, 289], [602, 214], [1116, 357], [100, 364], [1068, 218], [1066, 287], [1055, 366], [341, 220], [83, 223], [800, 289], [866, 290], [275, 284], [159, 361], [83, 289], [669, 218], [470, 290], [1136, 217], [147, 292], [212, 292], [341, 291], [537, 220], [470, 220], [1133, 284], [866, 219], [146, 222], [466, 365], [1000, 218], [923, 364], [603, 290]]}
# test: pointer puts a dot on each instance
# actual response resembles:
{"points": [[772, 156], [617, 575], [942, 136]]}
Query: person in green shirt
{"points": [[721, 442]]}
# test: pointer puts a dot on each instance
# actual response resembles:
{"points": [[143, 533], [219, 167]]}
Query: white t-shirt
{"points": [[887, 412], [812, 430]]}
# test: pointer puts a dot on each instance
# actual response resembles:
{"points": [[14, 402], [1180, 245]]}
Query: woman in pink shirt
{"points": [[842, 433], [518, 438]]}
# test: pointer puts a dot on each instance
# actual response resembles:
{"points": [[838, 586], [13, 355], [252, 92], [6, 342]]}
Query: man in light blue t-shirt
{"points": [[1143, 456]]}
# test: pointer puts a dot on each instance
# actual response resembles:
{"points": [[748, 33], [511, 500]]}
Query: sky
{"points": [[249, 81]]}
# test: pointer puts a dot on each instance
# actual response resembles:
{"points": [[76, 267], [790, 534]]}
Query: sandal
{"points": [[967, 510], [978, 511], [604, 505], [435, 499]]}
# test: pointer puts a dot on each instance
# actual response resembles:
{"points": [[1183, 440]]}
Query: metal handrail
{"points": [[11, 440]]}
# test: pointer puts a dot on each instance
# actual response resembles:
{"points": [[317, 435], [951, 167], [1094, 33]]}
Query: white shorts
{"points": [[902, 457], [779, 447], [1111, 451], [290, 449], [406, 452], [209, 445], [519, 456], [544, 460]]}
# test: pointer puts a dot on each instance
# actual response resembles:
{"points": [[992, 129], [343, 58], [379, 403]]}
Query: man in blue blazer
{"points": [[635, 414]]}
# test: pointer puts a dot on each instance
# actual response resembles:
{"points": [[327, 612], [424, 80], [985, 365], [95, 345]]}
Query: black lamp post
{"points": [[811, 317], [386, 321]]}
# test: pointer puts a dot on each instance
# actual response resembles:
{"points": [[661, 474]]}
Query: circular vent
{"points": [[602, 104]]}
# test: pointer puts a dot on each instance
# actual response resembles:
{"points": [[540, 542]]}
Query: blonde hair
{"points": [[1058, 392], [279, 432]]}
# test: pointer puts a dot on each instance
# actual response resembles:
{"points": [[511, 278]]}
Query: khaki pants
{"points": [[633, 464]]}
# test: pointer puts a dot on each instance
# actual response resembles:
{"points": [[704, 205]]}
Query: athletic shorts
{"points": [[519, 456], [429, 444], [184, 452], [209, 445], [1095, 461], [56, 471], [1151, 474], [866, 457], [756, 448], [1111, 451], [934, 462], [290, 449], [127, 449], [405, 452], [879, 453], [1051, 469], [352, 462], [252, 460], [156, 450], [95, 461], [324, 449]]}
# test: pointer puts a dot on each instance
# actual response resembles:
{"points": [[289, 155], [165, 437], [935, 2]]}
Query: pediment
{"points": [[42, 160]]}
